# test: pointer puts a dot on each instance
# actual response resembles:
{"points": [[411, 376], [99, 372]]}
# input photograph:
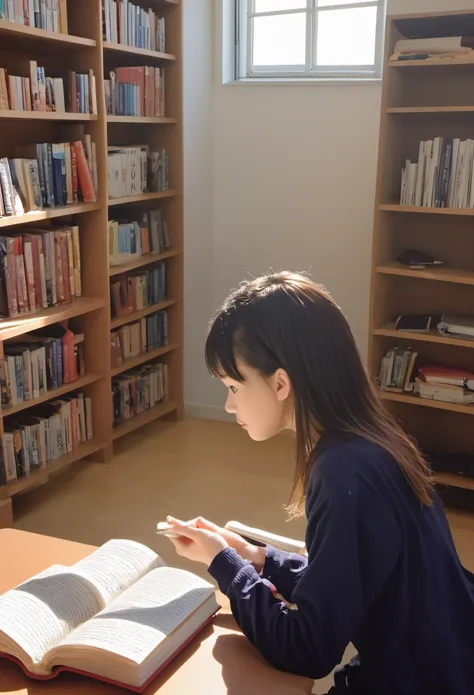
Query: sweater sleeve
{"points": [[284, 570], [353, 543]]}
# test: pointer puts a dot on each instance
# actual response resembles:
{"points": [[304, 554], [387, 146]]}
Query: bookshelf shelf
{"points": [[432, 63], [84, 50], [142, 261], [426, 403], [422, 100], [426, 211], [137, 315], [141, 120], [142, 197], [41, 35], [463, 277], [52, 394], [141, 359], [41, 215], [430, 109], [144, 418], [389, 331], [118, 48], [46, 116], [42, 474], [14, 327], [451, 479]]}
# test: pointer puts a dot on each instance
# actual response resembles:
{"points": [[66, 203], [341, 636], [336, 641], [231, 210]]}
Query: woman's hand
{"points": [[248, 551], [255, 554], [195, 543]]}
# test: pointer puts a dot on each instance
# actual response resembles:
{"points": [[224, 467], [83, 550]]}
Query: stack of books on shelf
{"points": [[49, 432], [39, 362], [139, 337], [131, 25], [138, 390], [135, 291], [37, 92], [42, 14], [54, 175], [130, 240], [136, 170], [39, 268], [443, 175], [399, 374], [436, 48], [445, 384], [136, 91], [397, 371]]}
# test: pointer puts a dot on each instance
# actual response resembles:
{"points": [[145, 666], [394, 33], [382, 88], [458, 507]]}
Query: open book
{"points": [[120, 615], [259, 537]]}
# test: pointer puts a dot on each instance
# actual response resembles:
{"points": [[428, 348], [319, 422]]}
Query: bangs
{"points": [[219, 351]]}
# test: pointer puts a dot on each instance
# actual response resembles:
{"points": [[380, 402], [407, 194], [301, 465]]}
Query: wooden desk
{"points": [[220, 660]]}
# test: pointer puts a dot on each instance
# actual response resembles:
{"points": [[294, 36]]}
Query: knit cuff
{"points": [[225, 567]]}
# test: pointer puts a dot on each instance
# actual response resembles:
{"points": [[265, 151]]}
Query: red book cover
{"points": [[65, 266], [65, 669], [10, 280], [20, 274], [69, 365], [84, 175], [36, 271]]}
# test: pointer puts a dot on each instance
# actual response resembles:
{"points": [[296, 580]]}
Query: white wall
{"points": [[292, 186]]}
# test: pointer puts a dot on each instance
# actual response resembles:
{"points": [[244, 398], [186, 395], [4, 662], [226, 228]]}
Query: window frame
{"points": [[245, 70]]}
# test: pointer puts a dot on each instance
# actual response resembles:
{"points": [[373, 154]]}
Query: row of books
{"points": [[399, 373], [139, 390], [47, 433], [39, 362], [135, 291], [136, 91], [130, 240], [42, 14], [139, 337], [40, 268], [57, 174], [135, 170], [129, 24], [443, 175], [41, 93]]}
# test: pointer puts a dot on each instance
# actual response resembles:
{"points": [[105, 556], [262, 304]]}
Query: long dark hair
{"points": [[287, 321]]}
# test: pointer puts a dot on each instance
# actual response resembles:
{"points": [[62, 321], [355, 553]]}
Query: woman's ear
{"points": [[282, 384]]}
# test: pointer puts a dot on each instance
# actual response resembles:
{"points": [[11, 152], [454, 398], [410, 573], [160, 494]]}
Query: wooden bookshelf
{"points": [[423, 100], [142, 198], [142, 261], [84, 49]]}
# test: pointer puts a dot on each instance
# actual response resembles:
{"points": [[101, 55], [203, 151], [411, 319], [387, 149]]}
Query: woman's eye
{"points": [[232, 389]]}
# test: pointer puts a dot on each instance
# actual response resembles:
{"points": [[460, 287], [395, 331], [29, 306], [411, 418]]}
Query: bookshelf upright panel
{"points": [[423, 100], [77, 43]]}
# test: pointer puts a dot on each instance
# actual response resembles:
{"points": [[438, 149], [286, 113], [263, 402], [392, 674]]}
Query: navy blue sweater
{"points": [[382, 572]]}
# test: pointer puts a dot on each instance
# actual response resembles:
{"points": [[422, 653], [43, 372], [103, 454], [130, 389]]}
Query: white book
{"points": [[266, 538], [119, 614], [426, 183], [9, 456], [34, 359]]}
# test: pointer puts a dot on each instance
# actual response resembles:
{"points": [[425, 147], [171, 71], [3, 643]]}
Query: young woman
{"points": [[382, 571]]}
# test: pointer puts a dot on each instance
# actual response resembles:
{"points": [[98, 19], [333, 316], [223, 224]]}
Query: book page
{"points": [[40, 612], [136, 623], [117, 565]]}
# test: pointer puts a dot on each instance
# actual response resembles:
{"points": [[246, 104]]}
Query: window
{"points": [[309, 38]]}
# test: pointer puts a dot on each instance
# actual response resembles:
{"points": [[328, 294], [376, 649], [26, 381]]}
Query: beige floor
{"points": [[185, 469]]}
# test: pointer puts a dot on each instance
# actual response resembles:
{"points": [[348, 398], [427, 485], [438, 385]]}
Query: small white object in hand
{"points": [[164, 529]]}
